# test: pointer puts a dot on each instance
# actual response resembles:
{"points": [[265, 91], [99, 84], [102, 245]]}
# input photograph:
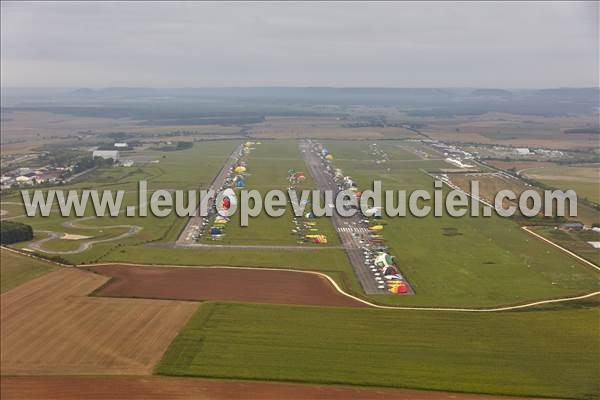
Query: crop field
{"points": [[49, 327], [230, 284], [41, 126], [330, 261], [468, 261], [519, 164], [176, 388], [577, 242], [515, 130], [490, 185], [16, 269], [322, 128], [537, 353], [585, 180], [268, 166]]}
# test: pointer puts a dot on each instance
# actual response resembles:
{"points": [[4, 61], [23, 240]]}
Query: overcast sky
{"points": [[201, 44]]}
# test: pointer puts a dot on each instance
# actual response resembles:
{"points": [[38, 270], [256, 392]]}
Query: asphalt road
{"points": [[345, 227], [186, 237]]}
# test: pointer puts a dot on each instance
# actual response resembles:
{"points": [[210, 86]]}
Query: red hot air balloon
{"points": [[226, 203]]}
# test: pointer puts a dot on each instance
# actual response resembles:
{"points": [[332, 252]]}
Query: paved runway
{"points": [[344, 226]]}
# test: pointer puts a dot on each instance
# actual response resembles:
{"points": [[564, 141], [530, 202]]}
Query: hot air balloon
{"points": [[399, 289], [383, 260], [372, 211], [228, 203]]}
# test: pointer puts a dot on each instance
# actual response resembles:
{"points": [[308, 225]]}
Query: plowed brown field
{"points": [[155, 388], [49, 327], [230, 284]]}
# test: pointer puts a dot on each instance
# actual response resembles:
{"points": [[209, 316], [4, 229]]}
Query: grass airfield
{"points": [[268, 165], [485, 261]]}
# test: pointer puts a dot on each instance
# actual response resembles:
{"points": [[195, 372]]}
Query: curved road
{"points": [[368, 303], [342, 292]]}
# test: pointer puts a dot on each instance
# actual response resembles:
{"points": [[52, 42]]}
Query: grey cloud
{"points": [[327, 44]]}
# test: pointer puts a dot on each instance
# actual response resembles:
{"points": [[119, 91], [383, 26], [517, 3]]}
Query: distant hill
{"points": [[490, 92]]}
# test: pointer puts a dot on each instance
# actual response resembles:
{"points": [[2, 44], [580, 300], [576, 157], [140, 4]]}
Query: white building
{"points": [[121, 145], [106, 154], [522, 151], [24, 180]]}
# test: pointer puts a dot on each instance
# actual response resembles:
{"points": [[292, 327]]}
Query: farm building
{"points": [[106, 154], [522, 151], [572, 226]]}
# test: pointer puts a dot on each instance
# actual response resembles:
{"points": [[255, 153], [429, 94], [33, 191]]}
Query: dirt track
{"points": [[259, 286], [154, 388]]}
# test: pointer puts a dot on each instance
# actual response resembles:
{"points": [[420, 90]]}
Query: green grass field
{"points": [[535, 353], [268, 166], [576, 242], [485, 261], [16, 270], [186, 170], [584, 180]]}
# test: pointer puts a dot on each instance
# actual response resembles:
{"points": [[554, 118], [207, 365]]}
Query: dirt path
{"points": [[86, 244], [155, 388]]}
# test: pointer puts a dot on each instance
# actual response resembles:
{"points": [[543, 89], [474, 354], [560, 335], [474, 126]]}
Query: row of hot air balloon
{"points": [[380, 155], [383, 266], [227, 203], [296, 178], [304, 228]]}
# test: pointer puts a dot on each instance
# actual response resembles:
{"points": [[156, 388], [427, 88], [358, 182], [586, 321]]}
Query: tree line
{"points": [[13, 232]]}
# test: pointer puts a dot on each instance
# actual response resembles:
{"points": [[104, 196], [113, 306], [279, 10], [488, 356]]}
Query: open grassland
{"points": [[16, 269], [491, 184], [585, 181], [268, 166], [11, 210], [334, 262], [519, 165], [187, 170], [40, 127], [322, 128], [514, 130], [537, 353], [575, 241], [50, 327], [467, 261]]}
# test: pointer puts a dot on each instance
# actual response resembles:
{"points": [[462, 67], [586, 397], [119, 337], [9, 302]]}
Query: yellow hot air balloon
{"points": [[239, 169], [329, 157]]}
